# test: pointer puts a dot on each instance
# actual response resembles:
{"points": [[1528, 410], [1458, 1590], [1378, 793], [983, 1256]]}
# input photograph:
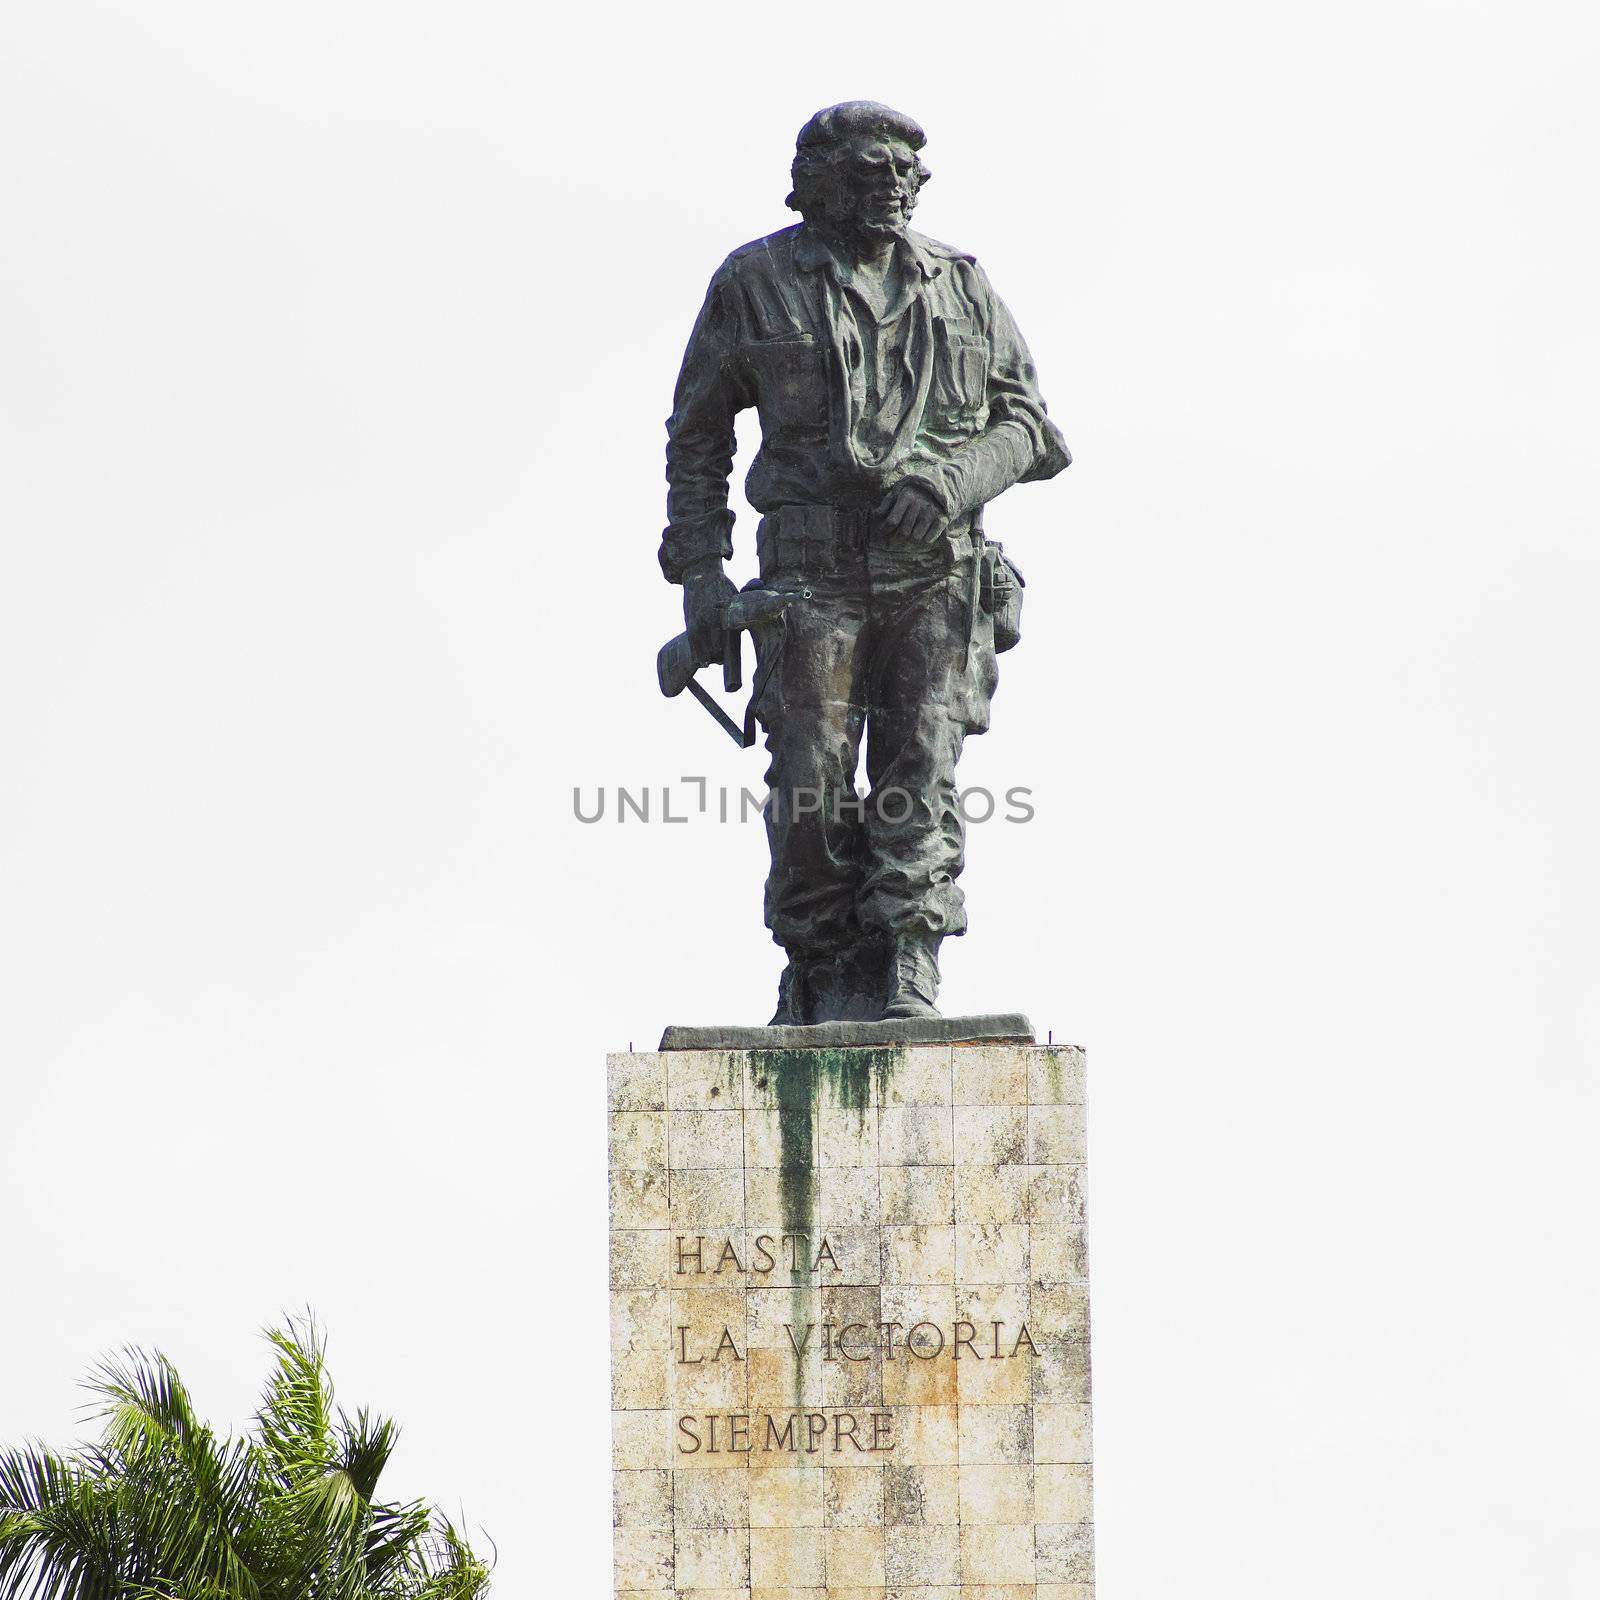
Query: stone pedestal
{"points": [[850, 1324]]}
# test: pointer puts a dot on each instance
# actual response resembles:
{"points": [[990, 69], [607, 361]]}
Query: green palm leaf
{"points": [[164, 1509]]}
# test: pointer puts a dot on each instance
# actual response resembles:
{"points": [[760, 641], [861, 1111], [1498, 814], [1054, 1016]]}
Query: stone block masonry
{"points": [[850, 1324]]}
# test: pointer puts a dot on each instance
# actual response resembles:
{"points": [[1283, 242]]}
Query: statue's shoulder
{"points": [[774, 252], [939, 249]]}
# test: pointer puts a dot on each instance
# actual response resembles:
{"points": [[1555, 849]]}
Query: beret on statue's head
{"points": [[852, 118]]}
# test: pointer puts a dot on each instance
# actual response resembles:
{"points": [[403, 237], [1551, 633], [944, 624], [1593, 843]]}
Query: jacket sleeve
{"points": [[700, 438], [1020, 443]]}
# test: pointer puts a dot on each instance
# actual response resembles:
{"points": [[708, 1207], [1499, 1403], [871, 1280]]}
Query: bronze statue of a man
{"points": [[896, 399]]}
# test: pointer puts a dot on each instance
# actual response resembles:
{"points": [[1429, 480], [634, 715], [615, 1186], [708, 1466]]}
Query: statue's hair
{"points": [[823, 140]]}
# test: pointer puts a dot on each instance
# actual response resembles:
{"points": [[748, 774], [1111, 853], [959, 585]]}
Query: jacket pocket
{"points": [[791, 381], [960, 367]]}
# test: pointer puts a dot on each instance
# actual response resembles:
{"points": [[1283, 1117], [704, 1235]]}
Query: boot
{"points": [[794, 995], [913, 978]]}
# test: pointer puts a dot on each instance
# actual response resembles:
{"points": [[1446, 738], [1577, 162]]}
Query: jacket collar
{"points": [[812, 251]]}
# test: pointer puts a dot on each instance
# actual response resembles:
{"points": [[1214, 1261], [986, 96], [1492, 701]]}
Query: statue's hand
{"points": [[706, 593], [911, 511]]}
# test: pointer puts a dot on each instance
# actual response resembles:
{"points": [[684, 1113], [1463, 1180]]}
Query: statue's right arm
{"points": [[700, 440]]}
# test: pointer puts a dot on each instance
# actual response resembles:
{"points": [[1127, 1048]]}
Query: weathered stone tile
{"points": [[918, 1076], [1066, 1552], [792, 1558], [636, 1081], [640, 1440], [985, 1304], [638, 1141], [990, 1136], [1063, 1591], [919, 1253], [639, 1258], [1060, 1315], [853, 1558], [1055, 1135], [991, 1252], [705, 1139], [852, 1365], [642, 1558], [1061, 1372], [787, 1080], [857, 1384], [711, 1558], [923, 1554], [917, 1194], [705, 1080], [909, 1304], [639, 1198], [639, 1358], [765, 1191], [781, 1140], [995, 1554], [849, 1196], [711, 1499], [1052, 1194], [641, 1498], [993, 1383], [851, 1256], [915, 1136], [921, 1495], [709, 1345], [1058, 1256], [921, 1382], [847, 1136], [996, 1435], [992, 1194], [996, 1494], [784, 1327], [1056, 1076], [784, 1319], [787, 1497], [1061, 1433], [925, 1436], [1063, 1493], [853, 1497], [991, 1380], [991, 1075], [698, 1201]]}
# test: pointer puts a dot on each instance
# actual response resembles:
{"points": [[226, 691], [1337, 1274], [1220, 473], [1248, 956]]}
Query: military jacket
{"points": [[931, 381]]}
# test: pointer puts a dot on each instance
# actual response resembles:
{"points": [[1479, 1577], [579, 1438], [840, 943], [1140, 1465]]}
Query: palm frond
{"points": [[191, 1494], [294, 1424], [60, 1537]]}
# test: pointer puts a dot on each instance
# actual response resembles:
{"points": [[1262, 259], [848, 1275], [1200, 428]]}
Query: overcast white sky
{"points": [[336, 343]]}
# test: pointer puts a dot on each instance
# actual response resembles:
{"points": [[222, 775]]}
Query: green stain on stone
{"points": [[799, 1083], [1053, 1073]]}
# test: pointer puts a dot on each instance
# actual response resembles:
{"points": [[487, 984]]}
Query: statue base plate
{"points": [[1001, 1027]]}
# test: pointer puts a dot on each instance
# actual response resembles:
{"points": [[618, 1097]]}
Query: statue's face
{"points": [[877, 186]]}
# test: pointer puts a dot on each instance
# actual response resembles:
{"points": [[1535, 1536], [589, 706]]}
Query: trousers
{"points": [[892, 648]]}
